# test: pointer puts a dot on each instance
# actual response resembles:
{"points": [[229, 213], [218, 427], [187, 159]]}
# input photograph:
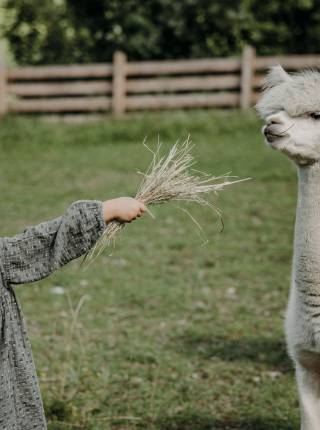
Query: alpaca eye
{"points": [[315, 115]]}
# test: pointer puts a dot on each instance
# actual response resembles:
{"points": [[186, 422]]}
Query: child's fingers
{"points": [[139, 210], [142, 206]]}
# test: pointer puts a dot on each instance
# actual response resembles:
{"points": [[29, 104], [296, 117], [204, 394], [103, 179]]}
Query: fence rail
{"points": [[123, 86]]}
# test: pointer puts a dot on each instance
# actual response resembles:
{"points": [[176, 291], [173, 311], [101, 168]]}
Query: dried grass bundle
{"points": [[169, 178]]}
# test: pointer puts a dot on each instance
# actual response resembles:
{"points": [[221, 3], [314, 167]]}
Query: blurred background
{"points": [[82, 31], [161, 332]]}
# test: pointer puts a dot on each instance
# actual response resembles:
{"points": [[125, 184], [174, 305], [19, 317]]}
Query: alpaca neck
{"points": [[307, 231]]}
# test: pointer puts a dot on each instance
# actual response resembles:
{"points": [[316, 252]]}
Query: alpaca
{"points": [[290, 106]]}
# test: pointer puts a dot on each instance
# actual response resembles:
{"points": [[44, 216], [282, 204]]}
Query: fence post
{"points": [[3, 89], [247, 74], [119, 83]]}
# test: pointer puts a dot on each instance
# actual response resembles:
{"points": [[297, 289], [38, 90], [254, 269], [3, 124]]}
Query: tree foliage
{"points": [[68, 31]]}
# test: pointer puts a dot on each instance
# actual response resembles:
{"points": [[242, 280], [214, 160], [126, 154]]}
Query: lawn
{"points": [[161, 332]]}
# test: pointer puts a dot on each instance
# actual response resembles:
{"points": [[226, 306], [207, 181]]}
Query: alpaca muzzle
{"points": [[271, 133]]}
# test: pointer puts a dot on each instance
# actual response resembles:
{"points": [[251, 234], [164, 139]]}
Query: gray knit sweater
{"points": [[28, 257]]}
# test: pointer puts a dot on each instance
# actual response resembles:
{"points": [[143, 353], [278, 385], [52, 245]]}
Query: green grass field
{"points": [[171, 334]]}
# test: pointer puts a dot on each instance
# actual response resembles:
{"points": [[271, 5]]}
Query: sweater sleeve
{"points": [[41, 249]]}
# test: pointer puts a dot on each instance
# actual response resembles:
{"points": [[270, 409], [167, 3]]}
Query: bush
{"points": [[68, 31]]}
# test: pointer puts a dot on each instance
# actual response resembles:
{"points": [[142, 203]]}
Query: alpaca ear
{"points": [[276, 75]]}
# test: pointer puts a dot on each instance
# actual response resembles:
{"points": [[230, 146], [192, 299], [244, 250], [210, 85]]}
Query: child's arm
{"points": [[41, 249]]}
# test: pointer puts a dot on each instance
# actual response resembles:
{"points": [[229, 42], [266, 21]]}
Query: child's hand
{"points": [[123, 209]]}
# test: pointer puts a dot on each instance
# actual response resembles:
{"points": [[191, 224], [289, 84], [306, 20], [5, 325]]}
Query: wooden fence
{"points": [[123, 86]]}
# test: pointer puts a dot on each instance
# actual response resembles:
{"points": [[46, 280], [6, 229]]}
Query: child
{"points": [[28, 257]]}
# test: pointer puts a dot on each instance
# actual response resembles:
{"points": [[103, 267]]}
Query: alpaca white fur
{"points": [[295, 93], [290, 105]]}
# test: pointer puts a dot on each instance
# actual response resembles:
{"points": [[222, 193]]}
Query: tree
{"points": [[68, 31]]}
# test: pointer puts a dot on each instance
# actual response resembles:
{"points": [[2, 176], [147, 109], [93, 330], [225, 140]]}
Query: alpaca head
{"points": [[290, 106]]}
